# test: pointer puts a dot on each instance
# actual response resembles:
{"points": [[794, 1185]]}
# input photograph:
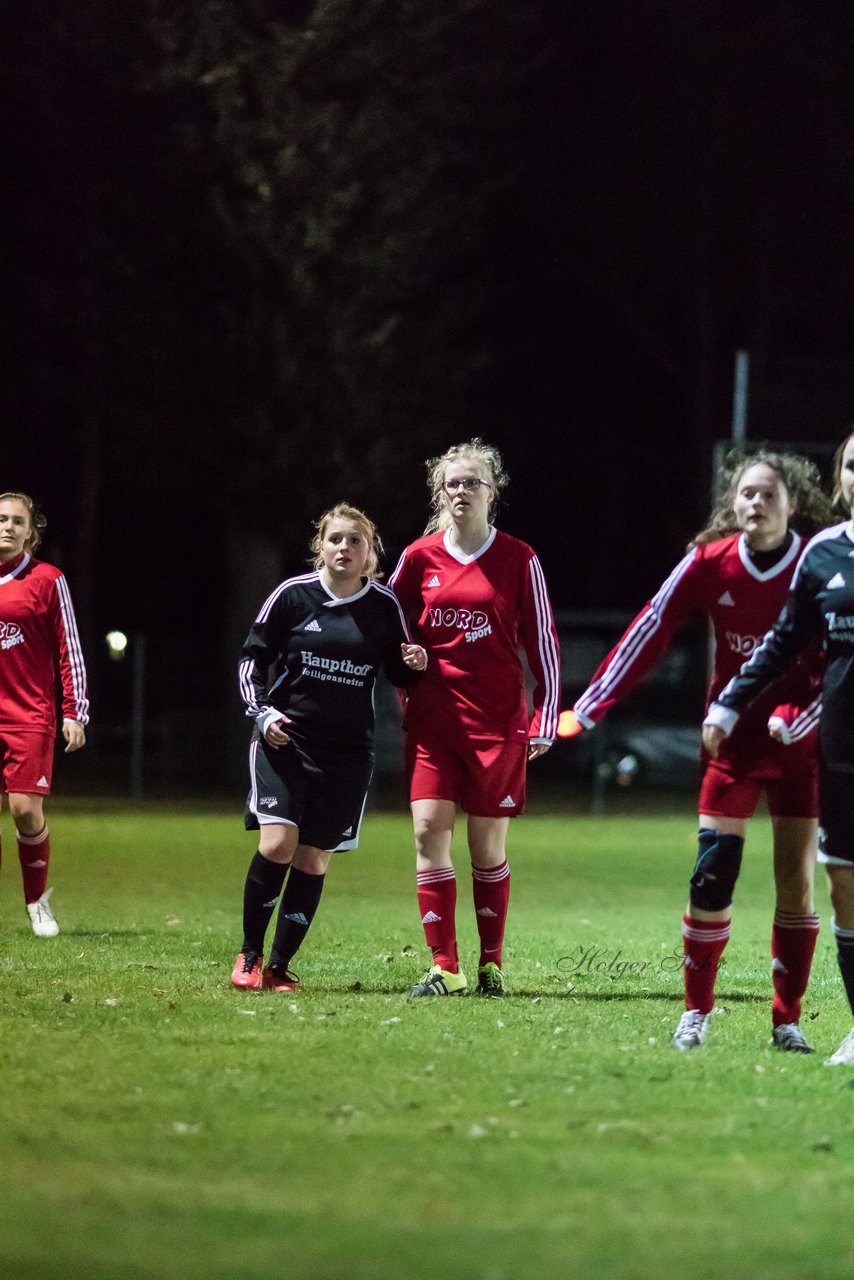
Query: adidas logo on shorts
{"points": [[42, 782], [507, 803]]}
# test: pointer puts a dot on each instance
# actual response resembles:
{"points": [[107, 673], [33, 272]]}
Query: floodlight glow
{"points": [[117, 643]]}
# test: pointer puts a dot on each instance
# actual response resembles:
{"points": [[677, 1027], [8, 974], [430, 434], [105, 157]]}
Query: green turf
{"points": [[156, 1123]]}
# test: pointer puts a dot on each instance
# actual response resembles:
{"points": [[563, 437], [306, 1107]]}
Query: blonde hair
{"points": [[477, 451], [36, 517], [800, 478], [836, 496], [343, 511]]}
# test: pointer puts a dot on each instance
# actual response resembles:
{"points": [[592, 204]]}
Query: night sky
{"points": [[556, 222]]}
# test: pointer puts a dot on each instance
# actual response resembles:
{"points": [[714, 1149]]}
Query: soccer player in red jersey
{"points": [[820, 608], [38, 638], [737, 571], [471, 596]]}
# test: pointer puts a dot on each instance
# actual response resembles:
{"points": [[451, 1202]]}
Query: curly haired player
{"points": [[737, 571], [819, 610]]}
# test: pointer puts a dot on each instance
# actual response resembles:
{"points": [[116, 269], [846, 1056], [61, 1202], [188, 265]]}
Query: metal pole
{"points": [[137, 717], [739, 397]]}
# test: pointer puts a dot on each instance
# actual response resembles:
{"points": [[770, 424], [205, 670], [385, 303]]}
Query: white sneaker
{"points": [[42, 918], [844, 1056], [691, 1031], [789, 1037]]}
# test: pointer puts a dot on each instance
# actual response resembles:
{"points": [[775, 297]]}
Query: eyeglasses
{"points": [[468, 484]]}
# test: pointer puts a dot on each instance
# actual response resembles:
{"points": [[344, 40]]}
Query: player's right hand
{"points": [[713, 736], [274, 734]]}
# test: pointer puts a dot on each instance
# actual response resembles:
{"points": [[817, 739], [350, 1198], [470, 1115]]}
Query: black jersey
{"points": [[315, 657], [820, 607]]}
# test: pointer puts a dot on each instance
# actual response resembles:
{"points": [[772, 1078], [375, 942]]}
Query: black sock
{"points": [[264, 881], [845, 956], [296, 912]]}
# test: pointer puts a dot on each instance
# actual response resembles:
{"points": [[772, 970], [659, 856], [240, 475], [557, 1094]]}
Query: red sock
{"points": [[437, 902], [34, 853], [491, 892], [793, 939], [703, 944]]}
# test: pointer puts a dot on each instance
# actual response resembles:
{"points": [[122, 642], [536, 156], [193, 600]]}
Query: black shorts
{"points": [[836, 806], [318, 790]]}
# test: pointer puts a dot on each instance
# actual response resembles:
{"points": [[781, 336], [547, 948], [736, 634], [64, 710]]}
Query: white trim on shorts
{"points": [[353, 841], [263, 819]]}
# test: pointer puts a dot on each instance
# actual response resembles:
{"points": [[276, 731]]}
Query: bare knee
{"points": [[794, 888], [487, 839], [312, 861], [27, 812], [277, 842], [841, 882]]}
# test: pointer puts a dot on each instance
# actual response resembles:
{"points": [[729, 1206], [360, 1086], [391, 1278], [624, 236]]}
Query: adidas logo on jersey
{"points": [[507, 803], [434, 581], [430, 918], [726, 598], [836, 581], [312, 626], [487, 912], [42, 782]]}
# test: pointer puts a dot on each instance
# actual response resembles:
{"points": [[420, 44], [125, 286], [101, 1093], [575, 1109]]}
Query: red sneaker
{"points": [[246, 974], [279, 980]]}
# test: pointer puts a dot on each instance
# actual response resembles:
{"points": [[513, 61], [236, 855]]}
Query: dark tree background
{"points": [[266, 255]]}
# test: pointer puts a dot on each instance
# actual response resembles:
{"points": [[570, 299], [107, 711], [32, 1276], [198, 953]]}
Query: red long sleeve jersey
{"points": [[743, 603], [38, 641], [471, 613]]}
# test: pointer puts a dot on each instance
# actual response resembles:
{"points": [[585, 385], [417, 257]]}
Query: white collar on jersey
{"points": [[460, 555], [792, 554], [18, 568], [334, 600]]}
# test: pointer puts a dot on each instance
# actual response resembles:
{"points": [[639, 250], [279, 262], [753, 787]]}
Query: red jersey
{"points": [[743, 603], [471, 613], [38, 640]]}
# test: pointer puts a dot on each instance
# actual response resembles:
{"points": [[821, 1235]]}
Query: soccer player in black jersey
{"points": [[307, 675], [820, 606]]}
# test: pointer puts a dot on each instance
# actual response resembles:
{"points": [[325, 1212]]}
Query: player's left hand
{"points": [[414, 656], [74, 735], [537, 749]]}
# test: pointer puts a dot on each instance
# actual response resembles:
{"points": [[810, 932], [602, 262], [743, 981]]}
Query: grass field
{"points": [[158, 1124]]}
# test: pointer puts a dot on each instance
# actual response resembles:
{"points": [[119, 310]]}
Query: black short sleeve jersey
{"points": [[316, 657], [820, 607]]}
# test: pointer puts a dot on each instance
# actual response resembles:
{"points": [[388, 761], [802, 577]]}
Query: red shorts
{"points": [[26, 761], [726, 794], [485, 777]]}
